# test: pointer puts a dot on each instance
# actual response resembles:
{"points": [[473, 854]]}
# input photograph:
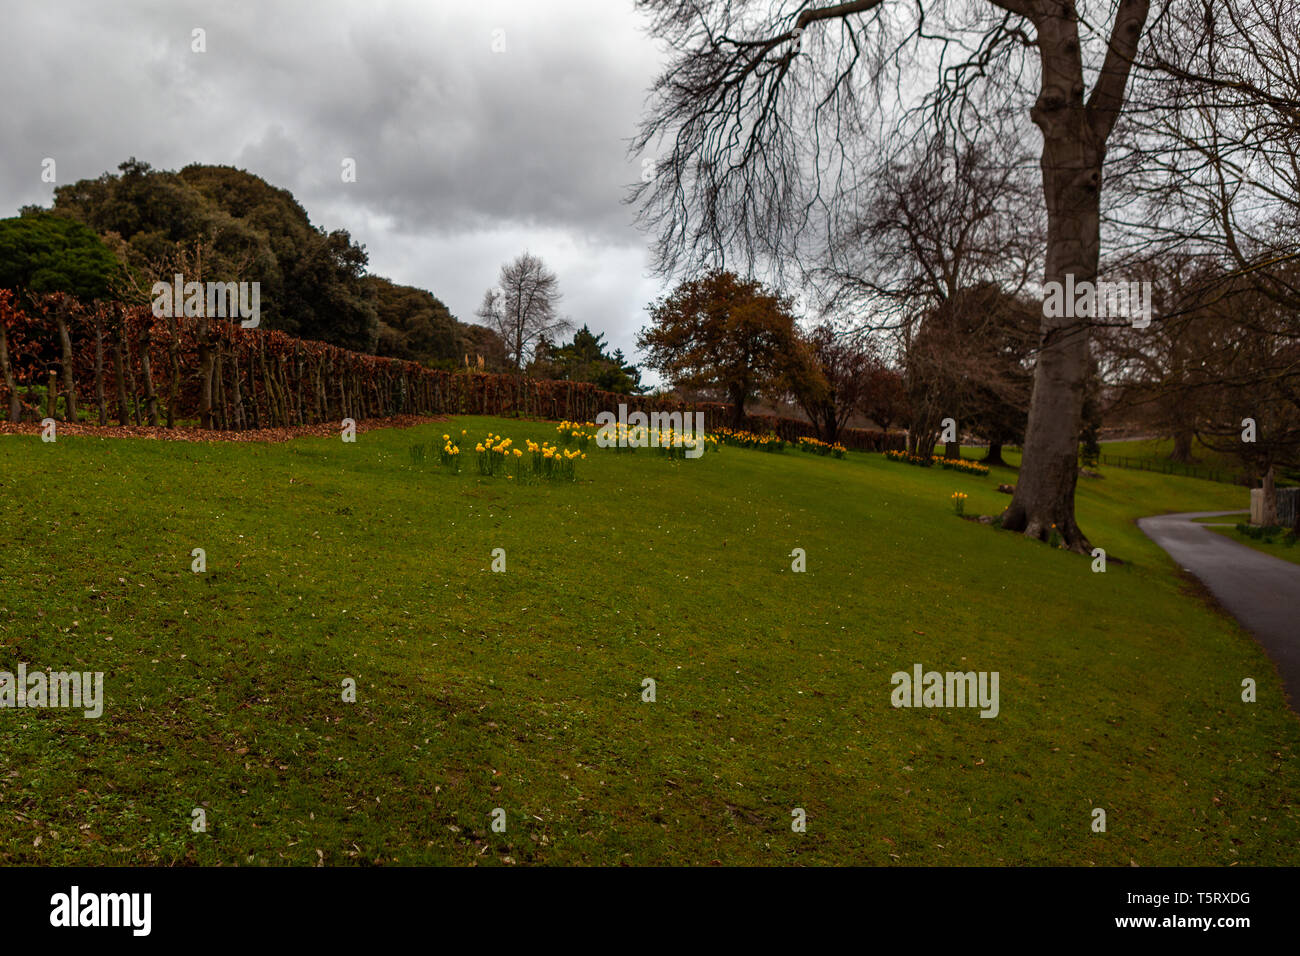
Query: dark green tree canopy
{"points": [[414, 324], [240, 228], [45, 253], [218, 223]]}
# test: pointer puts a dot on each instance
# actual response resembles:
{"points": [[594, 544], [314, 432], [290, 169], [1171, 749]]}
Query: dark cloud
{"points": [[465, 155]]}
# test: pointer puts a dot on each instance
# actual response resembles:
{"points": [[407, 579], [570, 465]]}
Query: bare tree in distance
{"points": [[968, 361], [1246, 387], [522, 308], [1147, 370], [939, 219]]}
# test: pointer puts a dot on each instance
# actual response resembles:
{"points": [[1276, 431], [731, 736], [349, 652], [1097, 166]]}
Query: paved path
{"points": [[1259, 590]]}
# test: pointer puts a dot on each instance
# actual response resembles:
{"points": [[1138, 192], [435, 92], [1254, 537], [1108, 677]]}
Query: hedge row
{"points": [[128, 365]]}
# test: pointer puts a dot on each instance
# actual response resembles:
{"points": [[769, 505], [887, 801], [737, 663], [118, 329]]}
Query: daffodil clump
{"points": [[667, 442], [625, 438], [909, 459], [495, 456], [818, 447], [959, 502], [962, 465], [447, 455], [949, 464], [673, 444], [576, 433], [548, 461], [746, 439], [450, 454]]}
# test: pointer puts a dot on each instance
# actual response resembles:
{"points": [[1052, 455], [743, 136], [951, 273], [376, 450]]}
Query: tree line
{"points": [[109, 362]]}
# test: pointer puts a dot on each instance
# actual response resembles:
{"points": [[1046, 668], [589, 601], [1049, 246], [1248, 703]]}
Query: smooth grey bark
{"points": [[1075, 132]]}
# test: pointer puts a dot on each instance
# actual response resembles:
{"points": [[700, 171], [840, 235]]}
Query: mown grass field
{"points": [[522, 690]]}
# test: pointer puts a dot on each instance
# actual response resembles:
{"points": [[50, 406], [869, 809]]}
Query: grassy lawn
{"points": [[1159, 449], [522, 690]]}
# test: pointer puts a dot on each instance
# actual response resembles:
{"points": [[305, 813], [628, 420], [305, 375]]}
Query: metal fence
{"points": [[1177, 468]]}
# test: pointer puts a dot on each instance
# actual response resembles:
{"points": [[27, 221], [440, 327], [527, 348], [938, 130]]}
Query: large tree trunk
{"points": [[738, 396], [922, 433], [994, 455], [952, 450], [1182, 446], [1074, 147]]}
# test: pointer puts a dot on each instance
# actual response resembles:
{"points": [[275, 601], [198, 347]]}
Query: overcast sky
{"points": [[466, 155]]}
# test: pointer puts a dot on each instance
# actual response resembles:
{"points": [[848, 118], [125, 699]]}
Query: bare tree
{"points": [[1212, 146], [944, 232], [1220, 363], [522, 309], [937, 220], [1209, 163], [969, 361], [842, 371], [1148, 368], [1249, 391], [766, 105]]}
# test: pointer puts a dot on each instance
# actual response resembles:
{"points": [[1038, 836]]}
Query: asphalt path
{"points": [[1259, 590]]}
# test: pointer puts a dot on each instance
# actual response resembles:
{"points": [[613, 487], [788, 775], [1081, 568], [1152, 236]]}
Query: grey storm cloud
{"points": [[478, 129]]}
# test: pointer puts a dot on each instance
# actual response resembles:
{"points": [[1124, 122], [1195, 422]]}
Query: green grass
{"points": [[522, 690], [1281, 545], [1159, 449]]}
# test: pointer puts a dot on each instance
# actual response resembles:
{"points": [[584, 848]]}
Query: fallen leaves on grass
{"points": [[323, 430]]}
